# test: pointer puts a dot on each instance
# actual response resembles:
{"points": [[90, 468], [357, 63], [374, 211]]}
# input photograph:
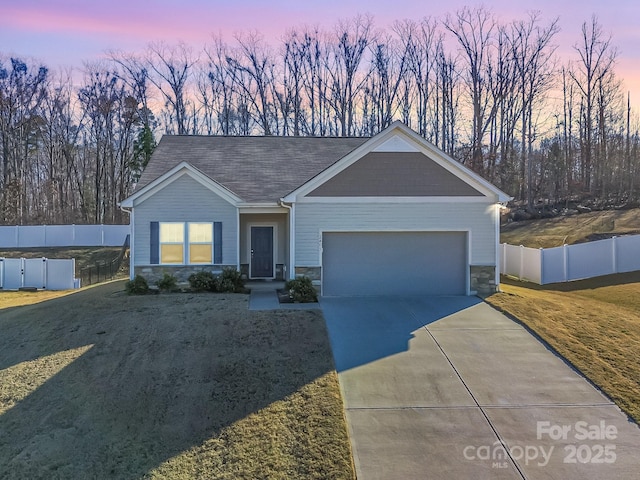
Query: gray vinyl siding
{"points": [[185, 200], [395, 174], [314, 218]]}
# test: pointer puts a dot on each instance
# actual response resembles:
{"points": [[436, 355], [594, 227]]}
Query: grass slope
{"points": [[98, 384], [554, 232], [85, 256], [595, 324]]}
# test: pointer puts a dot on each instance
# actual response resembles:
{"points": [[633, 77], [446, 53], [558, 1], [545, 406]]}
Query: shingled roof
{"points": [[257, 169]]}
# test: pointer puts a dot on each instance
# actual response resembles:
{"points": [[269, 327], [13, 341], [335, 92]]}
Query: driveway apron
{"points": [[447, 387]]}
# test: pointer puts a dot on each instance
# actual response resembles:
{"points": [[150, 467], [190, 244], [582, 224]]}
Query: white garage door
{"points": [[394, 263]]}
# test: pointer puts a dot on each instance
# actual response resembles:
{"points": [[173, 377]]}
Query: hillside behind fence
{"points": [[571, 262]]}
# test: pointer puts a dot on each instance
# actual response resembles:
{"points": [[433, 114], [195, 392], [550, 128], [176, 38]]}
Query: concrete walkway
{"points": [[448, 387]]}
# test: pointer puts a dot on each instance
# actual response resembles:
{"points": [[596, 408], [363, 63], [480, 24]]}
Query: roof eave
{"points": [[162, 181]]}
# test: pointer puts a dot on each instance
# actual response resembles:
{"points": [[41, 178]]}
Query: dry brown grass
{"points": [[554, 232], [11, 298], [98, 384], [593, 325]]}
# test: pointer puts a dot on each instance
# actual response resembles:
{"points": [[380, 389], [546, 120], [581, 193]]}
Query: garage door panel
{"points": [[394, 263]]}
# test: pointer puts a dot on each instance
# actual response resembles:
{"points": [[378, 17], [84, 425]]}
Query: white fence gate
{"points": [[571, 262], [47, 273], [63, 236]]}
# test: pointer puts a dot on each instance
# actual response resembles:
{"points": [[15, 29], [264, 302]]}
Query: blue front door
{"points": [[261, 252]]}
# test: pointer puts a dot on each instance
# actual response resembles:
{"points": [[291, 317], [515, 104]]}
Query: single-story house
{"points": [[390, 214]]}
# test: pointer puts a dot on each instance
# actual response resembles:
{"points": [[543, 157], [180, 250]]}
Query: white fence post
{"points": [[504, 258], [614, 254], [565, 256]]}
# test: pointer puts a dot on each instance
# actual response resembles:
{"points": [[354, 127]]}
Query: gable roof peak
{"points": [[412, 141]]}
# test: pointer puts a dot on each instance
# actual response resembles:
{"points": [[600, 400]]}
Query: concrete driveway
{"points": [[447, 387]]}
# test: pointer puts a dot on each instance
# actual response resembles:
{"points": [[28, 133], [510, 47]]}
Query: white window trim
{"points": [[186, 243], [161, 243]]}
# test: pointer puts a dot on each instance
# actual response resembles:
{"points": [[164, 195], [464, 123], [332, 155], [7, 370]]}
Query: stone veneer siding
{"points": [[314, 273], [244, 270], [483, 279], [153, 273]]}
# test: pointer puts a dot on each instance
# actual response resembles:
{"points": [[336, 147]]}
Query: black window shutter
{"points": [[217, 242], [154, 252]]}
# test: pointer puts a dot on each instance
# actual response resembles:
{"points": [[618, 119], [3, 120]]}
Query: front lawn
{"points": [[98, 384], [594, 324]]}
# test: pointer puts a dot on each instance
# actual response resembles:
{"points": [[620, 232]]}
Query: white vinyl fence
{"points": [[571, 262], [63, 236], [47, 273]]}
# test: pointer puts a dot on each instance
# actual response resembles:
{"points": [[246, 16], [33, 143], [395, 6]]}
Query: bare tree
{"points": [[567, 124], [352, 39], [252, 67], [133, 71], [170, 67], [420, 46], [222, 88], [60, 135], [533, 56], [22, 92], [315, 81], [597, 59], [389, 61], [69, 154], [447, 91], [473, 29], [293, 80], [110, 113]]}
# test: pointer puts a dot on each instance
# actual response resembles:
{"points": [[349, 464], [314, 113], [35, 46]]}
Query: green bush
{"points": [[202, 281], [301, 290], [167, 282], [137, 286], [230, 280]]}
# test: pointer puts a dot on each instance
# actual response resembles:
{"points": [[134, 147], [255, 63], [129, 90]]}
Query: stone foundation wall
{"points": [[314, 273], [483, 279], [244, 270], [153, 273], [280, 271]]}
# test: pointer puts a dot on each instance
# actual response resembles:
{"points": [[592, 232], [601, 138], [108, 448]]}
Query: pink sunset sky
{"points": [[67, 32]]}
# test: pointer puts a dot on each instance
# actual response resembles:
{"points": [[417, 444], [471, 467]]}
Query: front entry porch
{"points": [[264, 246]]}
